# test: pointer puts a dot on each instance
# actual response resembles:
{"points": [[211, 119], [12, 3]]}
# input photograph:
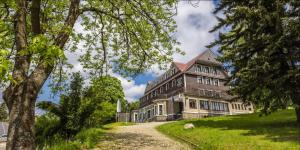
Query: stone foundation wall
{"points": [[160, 118], [197, 115]]}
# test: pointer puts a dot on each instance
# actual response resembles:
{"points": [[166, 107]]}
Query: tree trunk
{"points": [[21, 105], [297, 109]]}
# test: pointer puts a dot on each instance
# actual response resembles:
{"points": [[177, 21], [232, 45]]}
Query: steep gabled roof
{"points": [[183, 67], [180, 66]]}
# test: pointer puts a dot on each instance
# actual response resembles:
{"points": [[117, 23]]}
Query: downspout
{"points": [[184, 80]]}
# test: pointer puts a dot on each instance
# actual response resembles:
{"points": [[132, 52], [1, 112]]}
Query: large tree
{"points": [[127, 36], [259, 41]]}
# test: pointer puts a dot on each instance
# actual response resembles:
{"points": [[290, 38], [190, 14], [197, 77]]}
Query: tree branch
{"points": [[35, 16]]}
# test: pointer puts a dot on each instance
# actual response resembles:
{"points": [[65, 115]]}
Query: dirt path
{"points": [[139, 137]]}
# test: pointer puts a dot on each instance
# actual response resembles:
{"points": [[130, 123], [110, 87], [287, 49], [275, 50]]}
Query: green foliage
{"points": [[260, 46], [5, 67], [275, 131], [134, 105], [3, 112], [105, 113], [64, 145], [100, 99], [127, 36], [78, 109], [46, 126], [68, 108], [89, 137]]}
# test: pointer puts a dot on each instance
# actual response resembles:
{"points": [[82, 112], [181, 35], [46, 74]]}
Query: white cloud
{"points": [[132, 90], [194, 24]]}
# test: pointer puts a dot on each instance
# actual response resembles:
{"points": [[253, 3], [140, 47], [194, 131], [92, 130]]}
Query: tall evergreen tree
{"points": [[259, 43], [68, 109]]}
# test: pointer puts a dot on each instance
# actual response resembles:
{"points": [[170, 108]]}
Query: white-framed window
{"points": [[218, 94], [200, 79], [208, 81], [198, 68], [216, 82], [204, 105], [192, 104], [160, 109], [206, 69]]}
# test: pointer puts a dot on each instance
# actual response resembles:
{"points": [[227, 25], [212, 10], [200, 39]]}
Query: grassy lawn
{"points": [[243, 132]]}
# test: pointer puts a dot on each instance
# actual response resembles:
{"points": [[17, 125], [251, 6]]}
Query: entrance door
{"points": [[180, 107]]}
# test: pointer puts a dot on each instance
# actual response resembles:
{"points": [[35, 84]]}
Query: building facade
{"points": [[192, 90]]}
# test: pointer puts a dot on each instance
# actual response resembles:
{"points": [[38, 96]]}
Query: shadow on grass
{"points": [[276, 127]]}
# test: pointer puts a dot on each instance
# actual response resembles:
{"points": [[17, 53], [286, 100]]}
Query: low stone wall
{"points": [[198, 115]]}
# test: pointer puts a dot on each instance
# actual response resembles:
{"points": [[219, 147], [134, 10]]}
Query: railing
{"points": [[208, 93]]}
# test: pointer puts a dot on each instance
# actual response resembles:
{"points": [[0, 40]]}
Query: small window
{"points": [[206, 69], [215, 71], [239, 107], [200, 79], [232, 105], [204, 105], [160, 109], [201, 92], [216, 83], [208, 81], [193, 104], [179, 81]]}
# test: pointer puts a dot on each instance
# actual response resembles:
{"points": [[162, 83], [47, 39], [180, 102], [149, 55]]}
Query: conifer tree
{"points": [[259, 43]]}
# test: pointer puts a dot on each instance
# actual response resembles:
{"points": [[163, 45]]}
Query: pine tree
{"points": [[259, 43]]}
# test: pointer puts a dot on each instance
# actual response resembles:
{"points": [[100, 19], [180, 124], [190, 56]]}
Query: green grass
{"points": [[86, 138], [244, 132], [116, 124]]}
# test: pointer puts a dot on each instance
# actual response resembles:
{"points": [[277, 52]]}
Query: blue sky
{"points": [[194, 23]]}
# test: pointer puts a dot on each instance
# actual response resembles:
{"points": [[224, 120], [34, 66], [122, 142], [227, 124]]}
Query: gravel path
{"points": [[139, 137]]}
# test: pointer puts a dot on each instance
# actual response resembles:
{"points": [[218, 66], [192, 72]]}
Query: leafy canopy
{"points": [[125, 36]]}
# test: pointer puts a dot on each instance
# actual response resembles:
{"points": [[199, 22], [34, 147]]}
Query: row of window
{"points": [[207, 80], [206, 105], [206, 69], [176, 82], [163, 77], [151, 112], [210, 93], [239, 107]]}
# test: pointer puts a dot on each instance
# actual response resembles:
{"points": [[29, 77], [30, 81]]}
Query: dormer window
{"points": [[206, 69]]}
